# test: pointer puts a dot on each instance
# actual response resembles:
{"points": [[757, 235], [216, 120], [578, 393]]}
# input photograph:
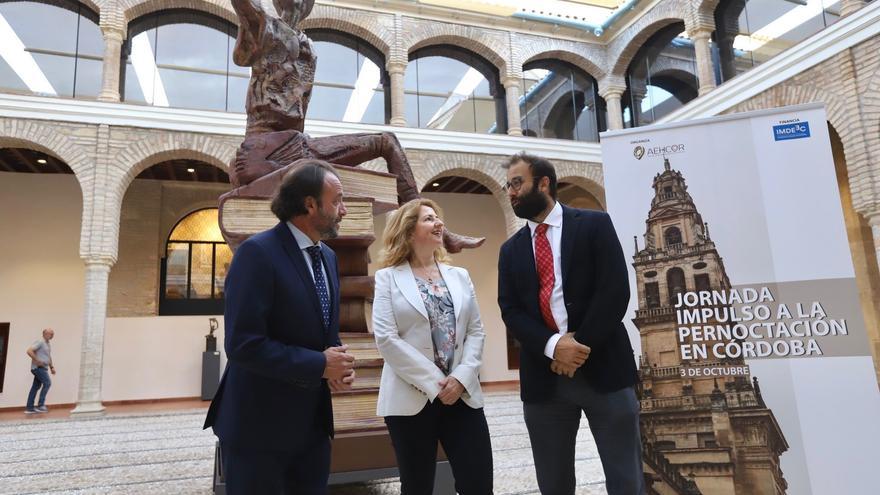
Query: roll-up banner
{"points": [[744, 314]]}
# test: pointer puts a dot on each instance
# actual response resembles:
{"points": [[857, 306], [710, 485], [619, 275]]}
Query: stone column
{"points": [[99, 247], [512, 94], [848, 7], [612, 95], [113, 37], [91, 367], [705, 72], [396, 72]]}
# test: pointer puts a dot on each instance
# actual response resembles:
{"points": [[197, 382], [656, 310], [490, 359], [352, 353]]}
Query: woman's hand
{"points": [[450, 390]]}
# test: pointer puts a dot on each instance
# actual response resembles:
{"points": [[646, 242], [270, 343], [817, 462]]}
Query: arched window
{"points": [[652, 295], [183, 58], [351, 84], [702, 282], [451, 88], [748, 33], [672, 237], [51, 48], [194, 267], [661, 77], [560, 101], [675, 284]]}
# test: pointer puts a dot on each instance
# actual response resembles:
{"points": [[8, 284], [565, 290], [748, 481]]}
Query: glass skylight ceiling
{"points": [[590, 12]]}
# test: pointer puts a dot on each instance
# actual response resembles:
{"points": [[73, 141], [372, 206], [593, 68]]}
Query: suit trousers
{"points": [[464, 435], [614, 422], [249, 471]]}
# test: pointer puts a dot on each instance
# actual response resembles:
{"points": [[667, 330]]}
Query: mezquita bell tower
{"points": [[707, 433]]}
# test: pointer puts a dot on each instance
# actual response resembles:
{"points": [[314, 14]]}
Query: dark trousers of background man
{"points": [[275, 473], [41, 379], [614, 423], [464, 435]]}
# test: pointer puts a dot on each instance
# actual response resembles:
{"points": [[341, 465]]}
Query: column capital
{"points": [[612, 86], [699, 22], [612, 92], [396, 66], [701, 32], [98, 260], [113, 32], [511, 80]]}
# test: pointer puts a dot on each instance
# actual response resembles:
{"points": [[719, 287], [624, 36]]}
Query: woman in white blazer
{"points": [[428, 330]]}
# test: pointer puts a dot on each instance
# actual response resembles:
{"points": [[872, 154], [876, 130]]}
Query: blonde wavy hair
{"points": [[396, 241]]}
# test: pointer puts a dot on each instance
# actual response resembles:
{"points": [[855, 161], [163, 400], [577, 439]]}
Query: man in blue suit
{"points": [[272, 411], [563, 289]]}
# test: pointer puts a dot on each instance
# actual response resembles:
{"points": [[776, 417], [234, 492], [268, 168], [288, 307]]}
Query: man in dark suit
{"points": [[272, 411], [563, 289]]}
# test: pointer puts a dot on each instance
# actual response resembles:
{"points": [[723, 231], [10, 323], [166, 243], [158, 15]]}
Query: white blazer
{"points": [[403, 335]]}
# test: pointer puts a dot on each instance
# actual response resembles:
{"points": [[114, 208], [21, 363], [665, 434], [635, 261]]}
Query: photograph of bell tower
{"points": [[706, 432]]}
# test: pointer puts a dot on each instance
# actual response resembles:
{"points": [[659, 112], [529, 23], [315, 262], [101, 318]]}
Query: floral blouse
{"points": [[441, 315]]}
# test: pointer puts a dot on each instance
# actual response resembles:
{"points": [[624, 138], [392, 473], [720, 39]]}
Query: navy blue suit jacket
{"points": [[272, 395], [595, 286]]}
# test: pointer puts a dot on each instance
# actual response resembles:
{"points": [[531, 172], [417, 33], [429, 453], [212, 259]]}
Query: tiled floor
{"points": [[153, 450]]}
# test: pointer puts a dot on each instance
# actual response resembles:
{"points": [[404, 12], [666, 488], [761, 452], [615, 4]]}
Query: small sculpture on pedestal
{"points": [[210, 340]]}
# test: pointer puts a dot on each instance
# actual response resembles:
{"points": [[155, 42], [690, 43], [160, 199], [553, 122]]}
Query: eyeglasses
{"points": [[516, 184]]}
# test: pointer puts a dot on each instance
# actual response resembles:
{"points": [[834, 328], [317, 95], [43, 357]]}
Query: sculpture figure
{"points": [[283, 62]]}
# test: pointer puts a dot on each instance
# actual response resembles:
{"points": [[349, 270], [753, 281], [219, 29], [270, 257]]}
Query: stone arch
{"points": [[587, 62], [45, 138], [493, 49], [473, 167], [627, 43], [871, 99], [369, 28], [676, 68], [94, 6], [132, 9], [706, 7], [143, 154], [592, 187], [586, 175]]}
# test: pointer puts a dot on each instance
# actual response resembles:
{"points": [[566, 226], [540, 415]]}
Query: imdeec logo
{"points": [[796, 130]]}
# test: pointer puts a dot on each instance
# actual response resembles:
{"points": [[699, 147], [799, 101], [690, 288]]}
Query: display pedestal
{"points": [[210, 374]]}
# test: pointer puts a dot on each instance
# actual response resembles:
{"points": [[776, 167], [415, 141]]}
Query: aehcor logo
{"points": [[797, 130], [639, 152]]}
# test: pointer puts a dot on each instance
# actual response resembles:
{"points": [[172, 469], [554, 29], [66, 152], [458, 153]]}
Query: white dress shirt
{"points": [[557, 299], [304, 243]]}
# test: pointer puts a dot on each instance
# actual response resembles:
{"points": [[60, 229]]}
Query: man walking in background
{"points": [[563, 289], [41, 365]]}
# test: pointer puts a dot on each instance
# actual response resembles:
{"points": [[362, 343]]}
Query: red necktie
{"points": [[546, 277]]}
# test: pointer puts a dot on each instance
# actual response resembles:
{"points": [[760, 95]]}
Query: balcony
{"points": [[225, 123]]}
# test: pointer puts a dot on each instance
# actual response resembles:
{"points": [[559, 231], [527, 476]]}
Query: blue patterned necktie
{"points": [[320, 284]]}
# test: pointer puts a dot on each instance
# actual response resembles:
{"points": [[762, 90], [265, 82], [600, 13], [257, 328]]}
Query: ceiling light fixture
{"points": [[41, 161], [191, 170], [436, 184]]}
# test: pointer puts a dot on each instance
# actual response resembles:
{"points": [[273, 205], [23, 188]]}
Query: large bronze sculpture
{"points": [[283, 69], [283, 65]]}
